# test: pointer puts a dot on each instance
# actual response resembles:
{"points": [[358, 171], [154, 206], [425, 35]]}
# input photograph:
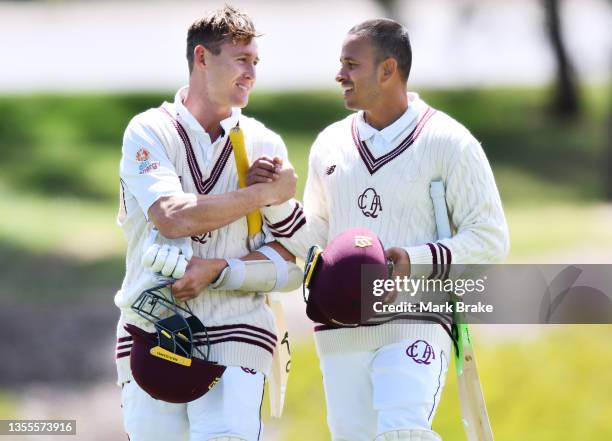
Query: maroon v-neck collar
{"points": [[204, 186], [374, 164]]}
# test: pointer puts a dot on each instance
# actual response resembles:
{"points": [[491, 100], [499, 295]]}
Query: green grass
{"points": [[7, 406], [304, 414], [542, 230], [59, 240], [62, 225], [552, 387]]}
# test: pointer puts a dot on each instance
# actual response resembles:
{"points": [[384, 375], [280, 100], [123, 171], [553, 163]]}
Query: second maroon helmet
{"points": [[339, 278]]}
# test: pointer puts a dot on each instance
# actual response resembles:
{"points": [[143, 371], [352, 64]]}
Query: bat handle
{"points": [[438, 199]]}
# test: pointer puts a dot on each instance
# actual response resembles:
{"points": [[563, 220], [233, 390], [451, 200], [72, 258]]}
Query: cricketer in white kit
{"points": [[178, 175], [373, 170]]}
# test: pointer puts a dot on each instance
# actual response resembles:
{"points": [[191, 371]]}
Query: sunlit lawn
{"points": [[7, 405], [58, 196], [554, 386]]}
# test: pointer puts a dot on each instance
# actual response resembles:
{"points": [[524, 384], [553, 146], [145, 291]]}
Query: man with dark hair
{"points": [[183, 214], [390, 41], [373, 170]]}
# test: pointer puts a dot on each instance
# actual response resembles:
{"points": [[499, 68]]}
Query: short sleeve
{"points": [[145, 168]]}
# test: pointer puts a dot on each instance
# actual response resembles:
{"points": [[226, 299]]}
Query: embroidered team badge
{"points": [[363, 241], [142, 155], [369, 202], [145, 165], [421, 352]]}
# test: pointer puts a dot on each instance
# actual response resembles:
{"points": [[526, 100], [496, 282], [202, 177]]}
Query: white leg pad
{"points": [[409, 435]]}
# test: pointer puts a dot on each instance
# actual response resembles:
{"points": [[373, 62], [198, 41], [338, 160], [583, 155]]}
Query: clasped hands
{"points": [[174, 258]]}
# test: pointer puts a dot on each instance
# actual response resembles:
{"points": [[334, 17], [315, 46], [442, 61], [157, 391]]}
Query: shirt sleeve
{"points": [[283, 221], [290, 223], [145, 169], [316, 205], [476, 213]]}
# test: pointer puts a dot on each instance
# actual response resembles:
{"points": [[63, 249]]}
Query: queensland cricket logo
{"points": [[421, 352], [145, 164], [142, 155], [369, 203], [363, 241]]}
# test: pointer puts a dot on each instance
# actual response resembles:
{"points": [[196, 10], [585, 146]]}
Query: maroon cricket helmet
{"points": [[339, 278], [169, 364]]}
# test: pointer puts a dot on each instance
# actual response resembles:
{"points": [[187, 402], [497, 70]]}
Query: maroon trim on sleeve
{"points": [[290, 233], [449, 260], [287, 219], [288, 226], [434, 255]]}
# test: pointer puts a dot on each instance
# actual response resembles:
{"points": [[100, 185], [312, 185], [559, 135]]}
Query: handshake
{"points": [[168, 259]]}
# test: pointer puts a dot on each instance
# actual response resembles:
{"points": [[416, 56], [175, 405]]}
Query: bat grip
{"points": [[438, 199]]}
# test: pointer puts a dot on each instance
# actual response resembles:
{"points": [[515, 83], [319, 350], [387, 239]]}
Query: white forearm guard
{"points": [[275, 274]]}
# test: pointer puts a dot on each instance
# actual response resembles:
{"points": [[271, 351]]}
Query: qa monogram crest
{"points": [[369, 202], [421, 352]]}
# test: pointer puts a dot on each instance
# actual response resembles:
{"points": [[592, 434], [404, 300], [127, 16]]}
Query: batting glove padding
{"points": [[169, 258]]}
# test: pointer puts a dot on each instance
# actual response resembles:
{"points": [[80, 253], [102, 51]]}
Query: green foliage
{"points": [[301, 113], [70, 145], [546, 387], [560, 158], [59, 172], [66, 145]]}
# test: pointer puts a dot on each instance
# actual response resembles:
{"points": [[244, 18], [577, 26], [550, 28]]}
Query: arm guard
{"points": [[275, 274]]}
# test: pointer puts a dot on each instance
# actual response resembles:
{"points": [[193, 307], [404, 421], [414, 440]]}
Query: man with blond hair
{"points": [[181, 208]]}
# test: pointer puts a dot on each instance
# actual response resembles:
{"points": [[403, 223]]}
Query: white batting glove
{"points": [[168, 259]]}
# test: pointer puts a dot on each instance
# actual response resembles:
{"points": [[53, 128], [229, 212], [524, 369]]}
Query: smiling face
{"points": [[358, 74], [231, 74]]}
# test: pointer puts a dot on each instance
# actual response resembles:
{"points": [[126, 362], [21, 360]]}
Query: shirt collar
{"points": [[193, 124], [396, 128]]}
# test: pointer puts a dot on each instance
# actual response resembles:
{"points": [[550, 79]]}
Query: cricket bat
{"points": [[473, 408], [281, 361]]}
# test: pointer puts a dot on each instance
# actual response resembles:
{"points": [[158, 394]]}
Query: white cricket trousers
{"points": [[397, 387], [231, 408]]}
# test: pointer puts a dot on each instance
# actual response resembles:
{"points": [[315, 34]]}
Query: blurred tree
{"points": [[566, 99]]}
